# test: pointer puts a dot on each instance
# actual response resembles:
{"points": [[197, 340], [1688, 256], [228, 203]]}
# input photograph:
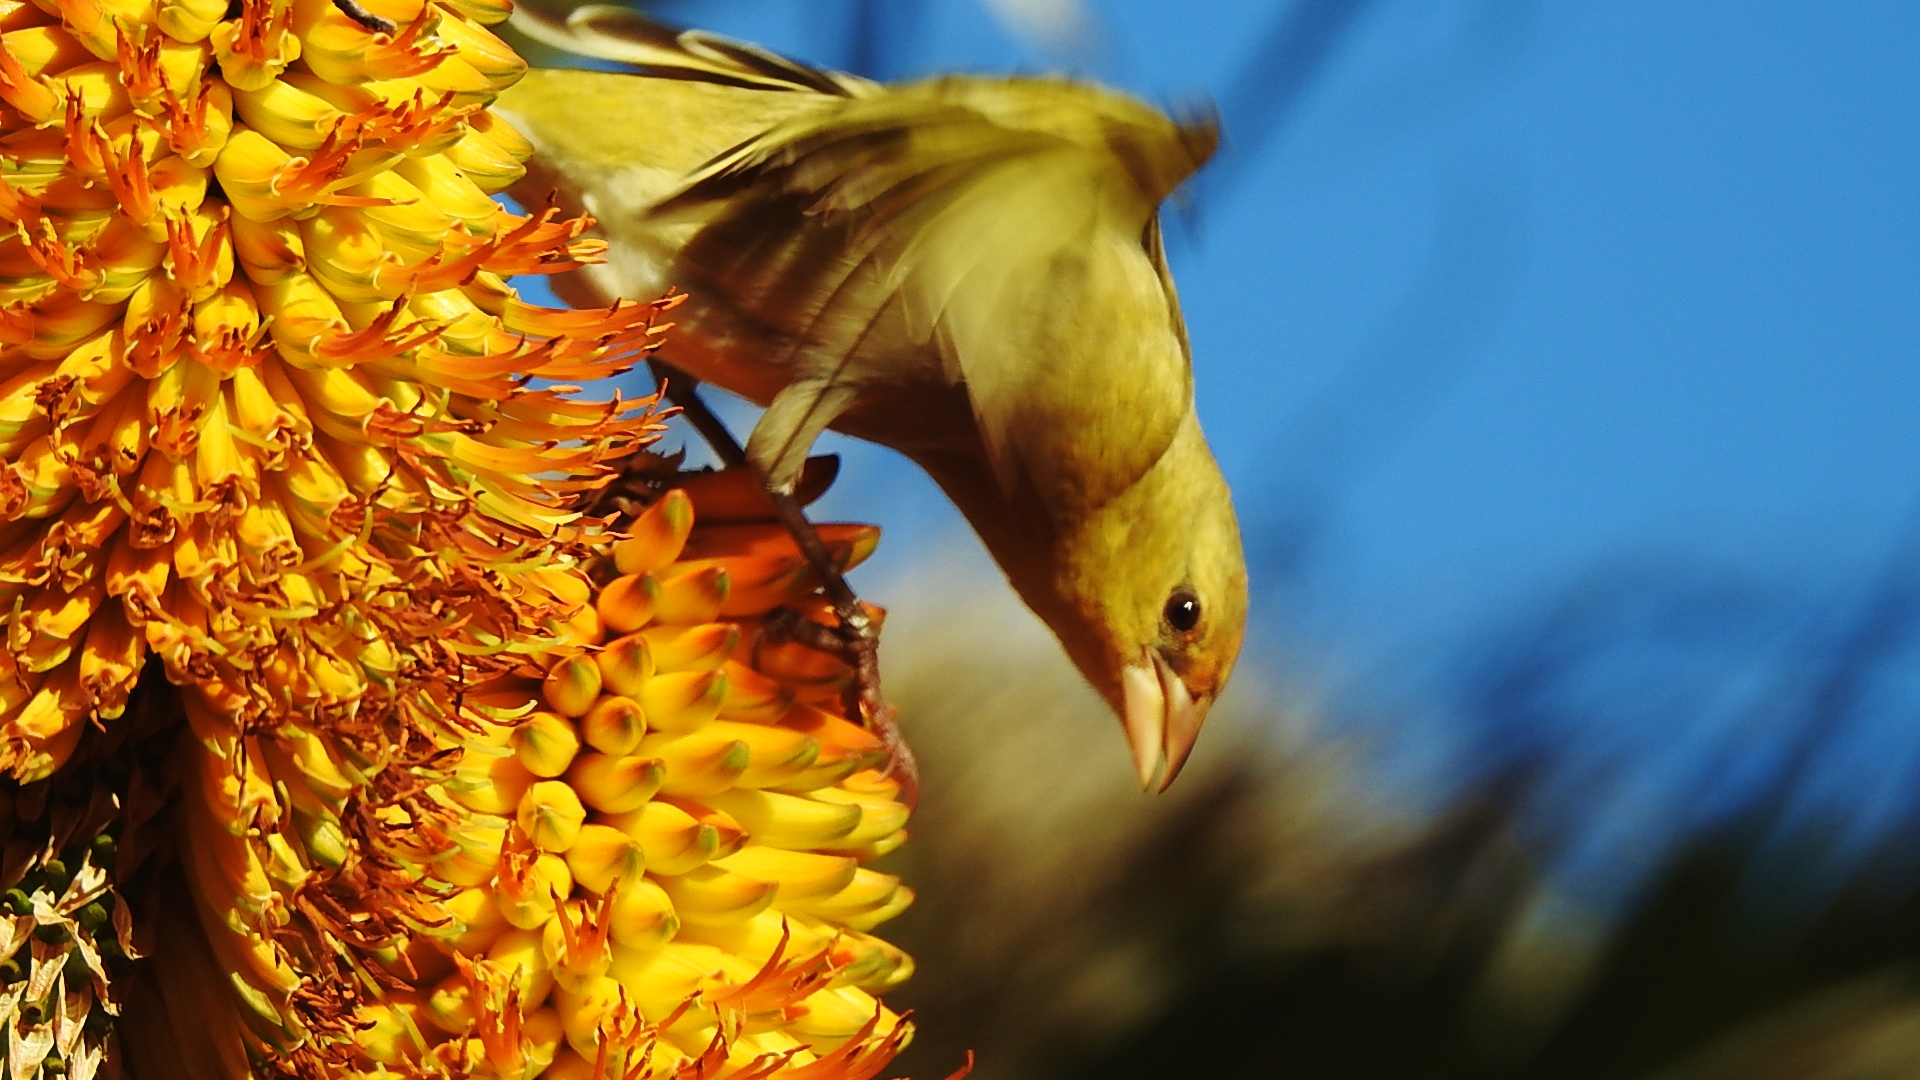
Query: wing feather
{"points": [[957, 203], [995, 233], [624, 36]]}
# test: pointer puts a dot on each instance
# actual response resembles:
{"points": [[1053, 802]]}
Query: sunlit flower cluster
{"points": [[659, 848], [269, 433], [643, 860], [263, 399], [319, 682]]}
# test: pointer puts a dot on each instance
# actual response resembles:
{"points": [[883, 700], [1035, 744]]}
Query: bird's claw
{"points": [[856, 643], [786, 624]]}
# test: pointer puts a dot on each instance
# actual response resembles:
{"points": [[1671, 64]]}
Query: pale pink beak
{"points": [[1162, 720]]}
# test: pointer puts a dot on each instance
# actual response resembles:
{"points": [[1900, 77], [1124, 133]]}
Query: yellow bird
{"points": [[966, 269]]}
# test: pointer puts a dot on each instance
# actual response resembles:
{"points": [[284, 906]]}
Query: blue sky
{"points": [[1513, 288]]}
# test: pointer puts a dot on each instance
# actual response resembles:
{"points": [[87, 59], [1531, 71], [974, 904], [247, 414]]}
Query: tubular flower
{"points": [[264, 399], [353, 720], [645, 859], [268, 432]]}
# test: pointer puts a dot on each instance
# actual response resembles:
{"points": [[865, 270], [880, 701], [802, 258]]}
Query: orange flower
{"points": [[270, 431], [661, 841], [266, 410], [646, 858]]}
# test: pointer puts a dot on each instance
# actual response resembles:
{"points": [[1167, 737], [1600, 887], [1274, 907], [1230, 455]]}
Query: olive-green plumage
{"points": [[966, 269]]}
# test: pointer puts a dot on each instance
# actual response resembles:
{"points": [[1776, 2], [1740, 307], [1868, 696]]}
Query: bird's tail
{"points": [[624, 36]]}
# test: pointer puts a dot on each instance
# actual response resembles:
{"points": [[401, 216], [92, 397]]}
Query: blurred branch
{"points": [[1866, 650], [866, 45], [878, 35], [1288, 60]]}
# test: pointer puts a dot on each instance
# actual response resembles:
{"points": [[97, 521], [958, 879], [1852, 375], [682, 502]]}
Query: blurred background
{"points": [[1563, 361]]}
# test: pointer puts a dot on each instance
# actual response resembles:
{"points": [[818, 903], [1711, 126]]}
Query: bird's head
{"points": [[1155, 591]]}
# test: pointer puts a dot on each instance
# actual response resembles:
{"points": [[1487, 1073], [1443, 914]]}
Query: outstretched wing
{"points": [[1007, 225]]}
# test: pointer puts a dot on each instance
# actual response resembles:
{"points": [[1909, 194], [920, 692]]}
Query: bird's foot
{"points": [[860, 635], [857, 639], [856, 643]]}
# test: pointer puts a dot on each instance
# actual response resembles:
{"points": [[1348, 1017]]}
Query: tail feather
{"points": [[624, 36]]}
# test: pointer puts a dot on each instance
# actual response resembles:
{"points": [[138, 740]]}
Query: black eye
{"points": [[1182, 611]]}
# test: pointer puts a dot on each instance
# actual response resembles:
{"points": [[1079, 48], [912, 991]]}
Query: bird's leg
{"points": [[859, 650], [376, 23], [857, 640]]}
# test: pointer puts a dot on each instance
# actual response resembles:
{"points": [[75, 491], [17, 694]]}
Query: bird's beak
{"points": [[1162, 718]]}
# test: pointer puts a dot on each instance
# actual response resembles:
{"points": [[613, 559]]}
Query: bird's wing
{"points": [[961, 209], [612, 143], [622, 35]]}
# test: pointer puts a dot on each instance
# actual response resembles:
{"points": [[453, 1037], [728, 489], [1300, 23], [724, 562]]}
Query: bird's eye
{"points": [[1182, 611]]}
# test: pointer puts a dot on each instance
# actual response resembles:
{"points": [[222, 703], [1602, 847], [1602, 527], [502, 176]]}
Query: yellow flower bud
{"points": [[628, 603], [657, 536], [697, 765], [690, 594], [682, 702], [476, 919], [643, 916], [708, 894], [672, 840], [752, 696], [585, 1014], [789, 821], [615, 784], [550, 815], [603, 855], [518, 953], [546, 744], [614, 725], [572, 686], [801, 876], [625, 665], [693, 648]]}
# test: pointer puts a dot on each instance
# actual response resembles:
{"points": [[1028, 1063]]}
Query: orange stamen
{"points": [[308, 179], [262, 23], [378, 340], [131, 183], [409, 52], [87, 149], [192, 264], [35, 98], [72, 268], [158, 343], [414, 121], [188, 130], [140, 70]]}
